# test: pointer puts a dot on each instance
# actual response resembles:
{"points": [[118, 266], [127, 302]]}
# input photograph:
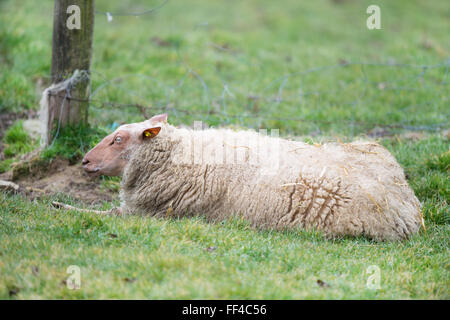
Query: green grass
{"points": [[304, 67], [73, 142], [427, 165], [169, 259], [16, 142]]}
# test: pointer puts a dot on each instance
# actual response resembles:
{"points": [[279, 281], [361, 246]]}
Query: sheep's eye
{"points": [[118, 139]]}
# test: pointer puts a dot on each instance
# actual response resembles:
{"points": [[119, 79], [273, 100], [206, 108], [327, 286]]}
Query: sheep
{"points": [[354, 189]]}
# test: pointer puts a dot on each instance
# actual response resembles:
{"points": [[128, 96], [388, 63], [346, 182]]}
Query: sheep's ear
{"points": [[159, 118], [150, 132]]}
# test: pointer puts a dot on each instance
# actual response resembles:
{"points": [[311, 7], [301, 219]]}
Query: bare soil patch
{"points": [[68, 179], [61, 177]]}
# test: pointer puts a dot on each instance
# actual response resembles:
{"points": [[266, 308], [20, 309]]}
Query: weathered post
{"points": [[65, 102]]}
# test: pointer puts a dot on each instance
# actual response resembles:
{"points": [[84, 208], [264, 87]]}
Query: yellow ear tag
{"points": [[152, 132]]}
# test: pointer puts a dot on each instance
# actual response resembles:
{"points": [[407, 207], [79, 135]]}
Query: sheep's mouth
{"points": [[92, 172]]}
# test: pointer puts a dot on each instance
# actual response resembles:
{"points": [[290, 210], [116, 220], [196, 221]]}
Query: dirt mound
{"points": [[61, 177]]}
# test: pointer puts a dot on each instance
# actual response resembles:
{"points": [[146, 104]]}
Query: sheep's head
{"points": [[110, 156]]}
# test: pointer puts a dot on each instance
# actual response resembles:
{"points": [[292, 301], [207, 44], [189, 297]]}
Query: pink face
{"points": [[109, 157]]}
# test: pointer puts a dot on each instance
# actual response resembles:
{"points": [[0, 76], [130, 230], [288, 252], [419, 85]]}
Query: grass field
{"points": [[307, 68]]}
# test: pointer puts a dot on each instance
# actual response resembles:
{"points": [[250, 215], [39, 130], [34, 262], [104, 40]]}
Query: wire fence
{"points": [[110, 15], [347, 98], [262, 109]]}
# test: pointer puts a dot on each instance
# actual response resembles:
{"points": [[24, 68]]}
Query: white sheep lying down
{"points": [[355, 189]]}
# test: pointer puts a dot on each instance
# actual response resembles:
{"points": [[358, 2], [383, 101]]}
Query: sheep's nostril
{"points": [[85, 162]]}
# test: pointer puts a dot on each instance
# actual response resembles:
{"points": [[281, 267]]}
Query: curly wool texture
{"points": [[341, 189]]}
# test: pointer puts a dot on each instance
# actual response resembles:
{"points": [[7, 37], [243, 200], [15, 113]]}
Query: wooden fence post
{"points": [[73, 26]]}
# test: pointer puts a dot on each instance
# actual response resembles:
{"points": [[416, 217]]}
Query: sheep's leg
{"points": [[111, 212]]}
